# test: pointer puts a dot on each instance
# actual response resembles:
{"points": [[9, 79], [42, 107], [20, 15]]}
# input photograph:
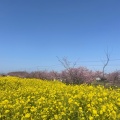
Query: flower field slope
{"points": [[33, 99]]}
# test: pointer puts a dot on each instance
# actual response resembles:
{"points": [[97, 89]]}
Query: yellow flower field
{"points": [[33, 99]]}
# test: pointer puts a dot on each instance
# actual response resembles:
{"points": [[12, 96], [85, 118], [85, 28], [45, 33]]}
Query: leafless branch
{"points": [[64, 62], [106, 63]]}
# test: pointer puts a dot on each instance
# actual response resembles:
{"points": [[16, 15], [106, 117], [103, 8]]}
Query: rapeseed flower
{"points": [[27, 115], [41, 100]]}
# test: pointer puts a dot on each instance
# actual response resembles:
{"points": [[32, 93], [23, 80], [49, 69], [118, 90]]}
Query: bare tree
{"points": [[73, 75], [66, 64], [104, 66]]}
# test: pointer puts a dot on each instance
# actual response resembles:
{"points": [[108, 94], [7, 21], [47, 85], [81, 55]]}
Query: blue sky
{"points": [[34, 32]]}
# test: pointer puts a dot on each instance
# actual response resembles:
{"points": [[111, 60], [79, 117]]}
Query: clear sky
{"points": [[34, 32]]}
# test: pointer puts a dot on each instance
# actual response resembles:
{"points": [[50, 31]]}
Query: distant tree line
{"points": [[74, 75], [78, 75]]}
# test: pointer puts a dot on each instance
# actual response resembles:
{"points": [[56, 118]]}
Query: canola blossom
{"points": [[34, 99]]}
